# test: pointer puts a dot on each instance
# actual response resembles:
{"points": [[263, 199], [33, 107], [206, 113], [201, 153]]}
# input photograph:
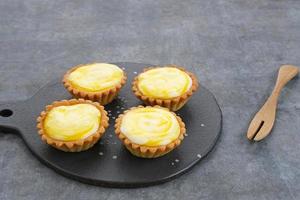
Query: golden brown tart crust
{"points": [[77, 145], [172, 104], [103, 97], [146, 151]]}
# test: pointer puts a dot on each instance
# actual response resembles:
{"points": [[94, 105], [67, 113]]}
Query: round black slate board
{"points": [[108, 163]]}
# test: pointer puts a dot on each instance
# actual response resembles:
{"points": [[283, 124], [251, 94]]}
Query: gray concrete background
{"points": [[235, 48]]}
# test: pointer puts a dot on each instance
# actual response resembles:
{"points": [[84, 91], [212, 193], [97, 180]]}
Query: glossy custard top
{"points": [[74, 122], [150, 126], [96, 77], [164, 82]]}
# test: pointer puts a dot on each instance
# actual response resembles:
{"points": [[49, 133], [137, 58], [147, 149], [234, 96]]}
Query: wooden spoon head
{"points": [[262, 124]]}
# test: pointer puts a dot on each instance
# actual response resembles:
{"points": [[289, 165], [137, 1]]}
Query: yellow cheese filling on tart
{"points": [[74, 122], [150, 126], [96, 77], [164, 82]]}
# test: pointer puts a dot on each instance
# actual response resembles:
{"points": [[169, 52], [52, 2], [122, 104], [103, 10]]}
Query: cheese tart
{"points": [[99, 82], [170, 86], [149, 132], [72, 125]]}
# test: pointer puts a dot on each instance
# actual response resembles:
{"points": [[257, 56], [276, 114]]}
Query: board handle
{"points": [[8, 112]]}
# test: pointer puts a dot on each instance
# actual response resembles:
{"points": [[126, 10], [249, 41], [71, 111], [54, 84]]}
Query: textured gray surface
{"points": [[235, 47]]}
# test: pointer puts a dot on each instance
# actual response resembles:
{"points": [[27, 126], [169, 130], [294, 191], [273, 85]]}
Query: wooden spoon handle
{"points": [[285, 74]]}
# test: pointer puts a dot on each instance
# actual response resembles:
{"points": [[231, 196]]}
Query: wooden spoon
{"points": [[262, 123]]}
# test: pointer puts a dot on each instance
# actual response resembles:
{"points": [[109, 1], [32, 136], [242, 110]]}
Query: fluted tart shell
{"points": [[77, 145]]}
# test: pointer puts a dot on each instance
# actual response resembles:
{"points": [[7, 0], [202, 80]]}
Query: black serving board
{"points": [[108, 163]]}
